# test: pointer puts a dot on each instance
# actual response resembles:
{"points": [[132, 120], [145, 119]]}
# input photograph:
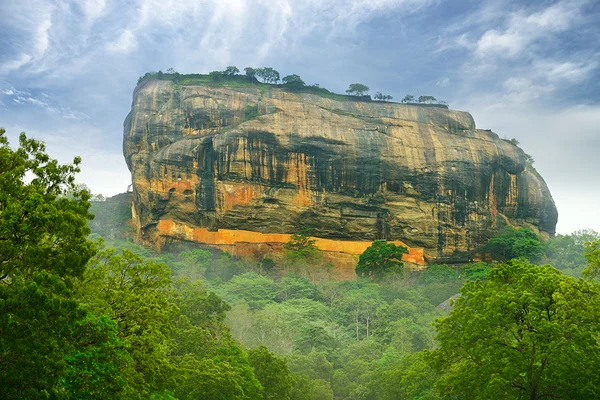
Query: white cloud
{"points": [[44, 101], [511, 61], [94, 9], [345, 15], [99, 178], [523, 29], [42, 40], [558, 17], [443, 82], [15, 64], [569, 71], [542, 78], [193, 34], [495, 36], [520, 90], [504, 44], [28, 26], [519, 55], [126, 43], [67, 113]]}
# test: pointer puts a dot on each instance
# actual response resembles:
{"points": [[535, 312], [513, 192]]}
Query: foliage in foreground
{"points": [[41, 228], [114, 327], [349, 340], [526, 332], [78, 322], [43, 248]]}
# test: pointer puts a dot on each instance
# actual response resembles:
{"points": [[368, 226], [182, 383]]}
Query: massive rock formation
{"points": [[246, 166]]}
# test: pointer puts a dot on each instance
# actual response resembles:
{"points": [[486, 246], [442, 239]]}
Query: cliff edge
{"points": [[243, 167]]}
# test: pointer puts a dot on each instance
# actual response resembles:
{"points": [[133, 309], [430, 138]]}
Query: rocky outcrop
{"points": [[254, 163]]}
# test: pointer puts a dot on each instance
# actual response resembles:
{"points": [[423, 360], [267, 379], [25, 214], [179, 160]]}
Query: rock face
{"points": [[251, 165]]}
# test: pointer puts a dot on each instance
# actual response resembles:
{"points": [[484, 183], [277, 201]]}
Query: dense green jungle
{"points": [[87, 314]]}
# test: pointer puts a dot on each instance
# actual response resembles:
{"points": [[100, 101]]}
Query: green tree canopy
{"points": [[357, 89], [35, 316], [272, 373], [438, 273], [379, 259], [426, 99], [136, 294], [478, 270], [301, 247], [267, 74], [99, 362], [215, 76], [292, 287], [592, 255], [231, 70], [293, 81], [41, 228], [566, 252], [250, 72], [410, 378], [527, 332], [409, 98], [515, 243], [361, 308], [382, 97], [210, 364], [256, 290], [194, 262], [111, 329], [49, 345]]}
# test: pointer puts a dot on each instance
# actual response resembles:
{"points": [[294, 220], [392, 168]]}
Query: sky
{"points": [[528, 70]]}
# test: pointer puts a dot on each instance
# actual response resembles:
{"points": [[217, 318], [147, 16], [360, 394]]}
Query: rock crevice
{"points": [[276, 162]]}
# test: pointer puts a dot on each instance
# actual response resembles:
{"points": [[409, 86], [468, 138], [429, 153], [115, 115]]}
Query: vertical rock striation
{"points": [[207, 162]]}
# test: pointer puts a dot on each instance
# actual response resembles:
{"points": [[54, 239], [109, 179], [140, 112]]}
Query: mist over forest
{"points": [[87, 313], [299, 200]]}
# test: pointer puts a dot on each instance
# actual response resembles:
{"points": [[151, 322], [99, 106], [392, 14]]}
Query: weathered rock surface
{"points": [[234, 165]]}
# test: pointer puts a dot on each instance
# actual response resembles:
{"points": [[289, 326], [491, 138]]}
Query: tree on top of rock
{"points": [[382, 97], [409, 98], [250, 72], [231, 70], [357, 89], [426, 99], [293, 81], [267, 74]]}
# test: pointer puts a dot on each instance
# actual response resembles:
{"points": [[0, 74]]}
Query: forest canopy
{"points": [[81, 317]]}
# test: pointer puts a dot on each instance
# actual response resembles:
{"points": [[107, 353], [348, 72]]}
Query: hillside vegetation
{"points": [[231, 78], [84, 318]]}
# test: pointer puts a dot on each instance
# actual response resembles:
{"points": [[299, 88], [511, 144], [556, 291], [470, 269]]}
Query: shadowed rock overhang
{"points": [[263, 160]]}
